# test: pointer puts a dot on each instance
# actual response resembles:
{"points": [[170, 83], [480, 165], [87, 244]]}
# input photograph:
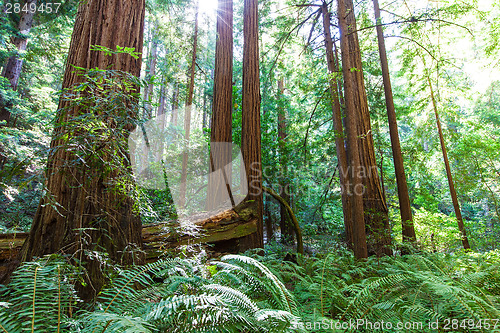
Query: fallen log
{"points": [[222, 230]]}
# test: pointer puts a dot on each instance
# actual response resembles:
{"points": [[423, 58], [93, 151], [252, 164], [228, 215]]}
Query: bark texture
{"points": [[375, 207], [404, 197], [337, 126], [82, 210], [250, 132], [356, 188], [221, 124]]}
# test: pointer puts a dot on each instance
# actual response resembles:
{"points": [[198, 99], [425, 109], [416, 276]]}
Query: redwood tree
{"points": [[404, 197], [221, 124], [250, 132], [356, 189], [84, 210], [375, 208], [337, 125]]}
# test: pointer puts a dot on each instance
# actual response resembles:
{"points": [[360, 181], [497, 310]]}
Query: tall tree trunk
{"points": [[287, 232], [204, 121], [187, 112], [12, 70], [356, 188], [404, 198], [163, 99], [453, 192], [82, 211], [337, 126], [151, 71], [221, 125], [250, 131], [375, 207], [175, 105], [269, 222]]}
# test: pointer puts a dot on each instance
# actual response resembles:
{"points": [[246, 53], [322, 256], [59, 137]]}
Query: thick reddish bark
{"points": [[356, 188], [375, 207], [337, 126], [221, 124], [83, 211], [250, 132]]}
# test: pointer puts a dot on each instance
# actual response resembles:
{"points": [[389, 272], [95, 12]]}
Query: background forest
{"points": [[443, 58]]}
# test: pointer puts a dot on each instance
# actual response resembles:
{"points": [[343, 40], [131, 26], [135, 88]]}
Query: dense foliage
{"points": [[423, 291], [451, 46]]}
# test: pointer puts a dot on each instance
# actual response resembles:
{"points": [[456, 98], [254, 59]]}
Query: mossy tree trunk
{"points": [[84, 209]]}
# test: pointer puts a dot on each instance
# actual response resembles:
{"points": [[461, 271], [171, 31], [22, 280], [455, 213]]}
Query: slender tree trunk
{"points": [[163, 100], [287, 232], [375, 207], [82, 211], [187, 113], [268, 220], [151, 72], [204, 121], [175, 105], [250, 132], [221, 124], [356, 188], [337, 126], [404, 198], [12, 70], [453, 193]]}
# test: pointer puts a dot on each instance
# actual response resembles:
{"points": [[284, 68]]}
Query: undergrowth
{"points": [[331, 293], [416, 290]]}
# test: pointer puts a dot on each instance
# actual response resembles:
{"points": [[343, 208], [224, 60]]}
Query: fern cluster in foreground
{"points": [[257, 294], [235, 294], [413, 289]]}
